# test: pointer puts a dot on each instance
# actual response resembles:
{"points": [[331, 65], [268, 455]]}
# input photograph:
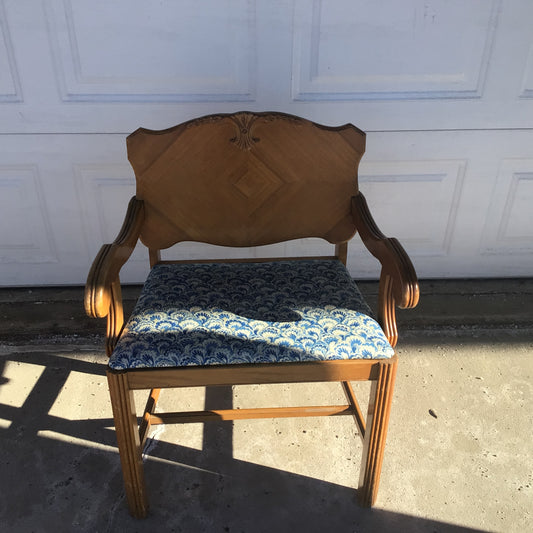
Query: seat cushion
{"points": [[230, 313]]}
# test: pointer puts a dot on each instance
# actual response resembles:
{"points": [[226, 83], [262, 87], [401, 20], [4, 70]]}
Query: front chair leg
{"points": [[129, 445], [376, 432]]}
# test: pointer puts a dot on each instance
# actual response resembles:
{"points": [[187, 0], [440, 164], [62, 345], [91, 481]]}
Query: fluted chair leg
{"points": [[376, 432], [128, 443]]}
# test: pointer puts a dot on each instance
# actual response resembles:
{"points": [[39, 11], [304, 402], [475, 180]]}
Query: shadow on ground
{"points": [[64, 475]]}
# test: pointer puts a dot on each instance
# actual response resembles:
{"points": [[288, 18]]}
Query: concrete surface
{"points": [[458, 454]]}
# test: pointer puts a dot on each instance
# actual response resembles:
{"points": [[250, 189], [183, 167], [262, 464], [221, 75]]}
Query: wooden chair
{"points": [[242, 180]]}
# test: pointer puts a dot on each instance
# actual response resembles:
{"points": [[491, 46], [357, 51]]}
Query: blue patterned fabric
{"points": [[229, 313]]}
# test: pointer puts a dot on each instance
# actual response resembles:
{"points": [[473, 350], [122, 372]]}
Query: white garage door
{"points": [[443, 88]]}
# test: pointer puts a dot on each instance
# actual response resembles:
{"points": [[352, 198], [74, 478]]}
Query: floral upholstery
{"points": [[229, 313]]}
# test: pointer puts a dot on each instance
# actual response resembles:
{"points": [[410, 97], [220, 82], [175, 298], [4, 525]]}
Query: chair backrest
{"points": [[246, 179]]}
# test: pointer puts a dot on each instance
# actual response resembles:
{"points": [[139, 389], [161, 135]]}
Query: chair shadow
{"points": [[61, 474]]}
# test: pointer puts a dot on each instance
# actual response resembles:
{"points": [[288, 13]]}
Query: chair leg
{"points": [[148, 410], [129, 445], [376, 432]]}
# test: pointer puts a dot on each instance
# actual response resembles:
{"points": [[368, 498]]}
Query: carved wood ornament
{"points": [[245, 121], [244, 138]]}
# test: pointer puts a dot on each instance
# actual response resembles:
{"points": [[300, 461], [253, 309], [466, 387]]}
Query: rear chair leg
{"points": [[129, 445], [148, 411], [376, 432]]}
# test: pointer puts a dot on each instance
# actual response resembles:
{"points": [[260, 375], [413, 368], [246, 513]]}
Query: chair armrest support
{"points": [[398, 280], [106, 266]]}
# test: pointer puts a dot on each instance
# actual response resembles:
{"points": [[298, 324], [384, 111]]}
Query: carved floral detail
{"points": [[244, 121]]}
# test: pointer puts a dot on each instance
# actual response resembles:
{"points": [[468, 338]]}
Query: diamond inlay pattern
{"points": [[257, 184]]}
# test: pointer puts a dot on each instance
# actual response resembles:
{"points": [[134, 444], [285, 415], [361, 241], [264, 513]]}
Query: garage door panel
{"points": [[399, 192], [509, 221], [158, 52], [25, 233], [439, 207], [104, 192], [10, 89], [343, 50]]}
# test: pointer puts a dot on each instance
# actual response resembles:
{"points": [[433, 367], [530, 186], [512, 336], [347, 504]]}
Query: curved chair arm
{"points": [[102, 290], [398, 282]]}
